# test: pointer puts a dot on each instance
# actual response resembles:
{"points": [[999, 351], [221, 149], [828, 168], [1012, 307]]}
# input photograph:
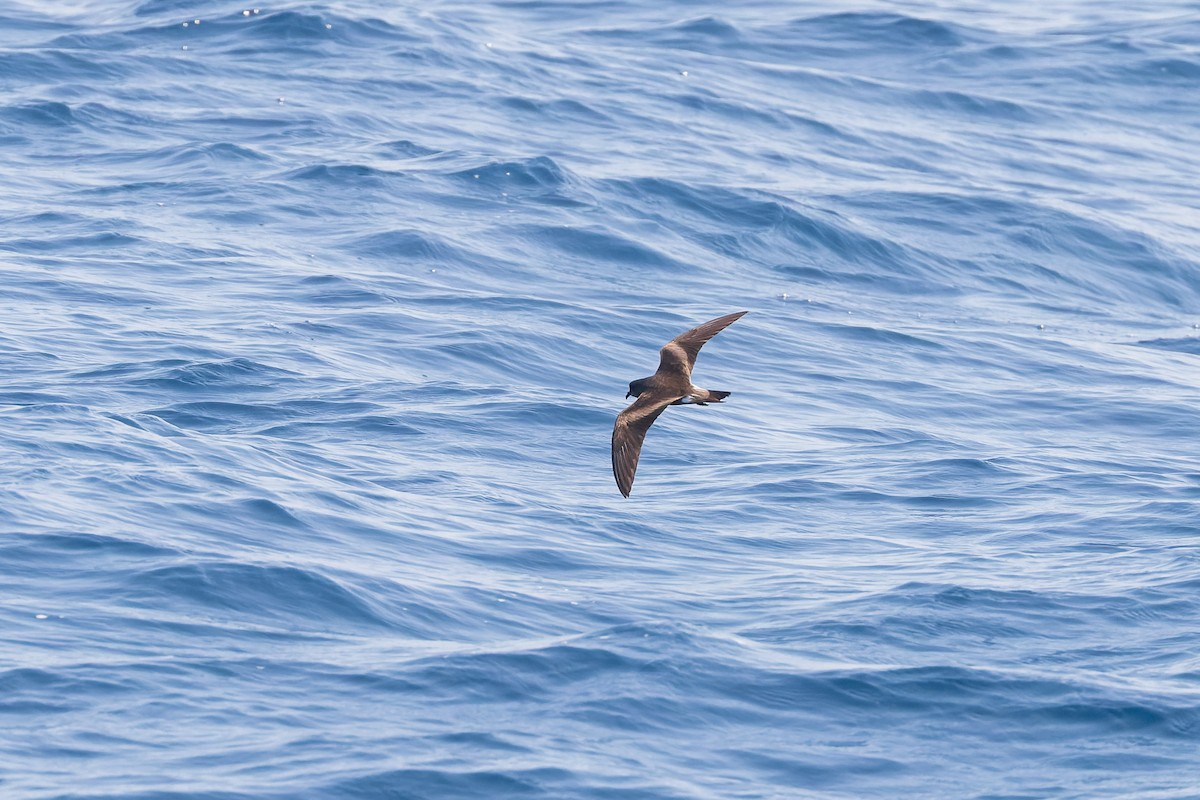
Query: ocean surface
{"points": [[315, 318]]}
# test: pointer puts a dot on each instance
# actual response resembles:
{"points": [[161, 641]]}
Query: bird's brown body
{"points": [[670, 385]]}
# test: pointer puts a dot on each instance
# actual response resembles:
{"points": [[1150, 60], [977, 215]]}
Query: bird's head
{"points": [[636, 388]]}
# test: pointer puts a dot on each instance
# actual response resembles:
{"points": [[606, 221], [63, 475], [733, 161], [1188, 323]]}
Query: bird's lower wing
{"points": [[628, 434]]}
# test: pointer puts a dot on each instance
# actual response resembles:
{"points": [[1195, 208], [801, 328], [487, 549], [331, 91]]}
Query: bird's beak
{"points": [[628, 395]]}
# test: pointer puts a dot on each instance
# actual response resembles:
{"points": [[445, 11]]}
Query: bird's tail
{"points": [[715, 396]]}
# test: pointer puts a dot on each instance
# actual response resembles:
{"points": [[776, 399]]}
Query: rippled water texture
{"points": [[314, 320]]}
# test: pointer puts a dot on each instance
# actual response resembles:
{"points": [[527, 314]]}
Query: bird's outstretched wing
{"points": [[679, 354], [630, 431]]}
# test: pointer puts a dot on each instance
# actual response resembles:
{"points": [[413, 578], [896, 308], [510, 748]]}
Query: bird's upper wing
{"points": [[680, 353], [630, 431]]}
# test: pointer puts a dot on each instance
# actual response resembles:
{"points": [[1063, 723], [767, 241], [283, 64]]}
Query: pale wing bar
{"points": [[687, 344]]}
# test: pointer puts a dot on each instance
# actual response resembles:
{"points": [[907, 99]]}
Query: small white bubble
{"points": [[488, 45], [185, 24], [1041, 327], [279, 100], [258, 667], [684, 73], [783, 296], [185, 47], [508, 173], [195, 22], [246, 13], [433, 270], [257, 11], [328, 26], [39, 616], [477, 177], [504, 194]]}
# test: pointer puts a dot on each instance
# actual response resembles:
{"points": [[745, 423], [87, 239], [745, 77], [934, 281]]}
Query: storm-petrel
{"points": [[670, 386]]}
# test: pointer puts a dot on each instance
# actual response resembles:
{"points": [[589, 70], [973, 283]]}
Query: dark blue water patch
{"points": [[192, 155], [700, 31], [538, 173], [332, 290], [714, 205], [218, 417], [404, 148], [48, 692], [546, 413], [299, 28], [975, 105], [560, 110], [702, 102], [411, 244], [483, 740], [228, 377], [167, 794], [101, 118], [252, 593], [1186, 344], [20, 67], [1172, 69], [420, 784], [543, 560], [885, 338], [46, 115], [34, 399], [820, 244], [345, 176], [96, 549], [514, 676], [537, 180], [883, 31], [78, 293], [105, 240], [46, 223], [290, 28], [600, 243], [1182, 30], [348, 429], [944, 618], [868, 37], [21, 25], [825, 772], [1085, 255]]}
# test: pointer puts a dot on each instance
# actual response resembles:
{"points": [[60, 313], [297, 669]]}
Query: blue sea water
{"points": [[315, 317]]}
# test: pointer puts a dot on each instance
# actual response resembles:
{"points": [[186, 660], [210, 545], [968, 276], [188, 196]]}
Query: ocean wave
{"points": [[315, 321]]}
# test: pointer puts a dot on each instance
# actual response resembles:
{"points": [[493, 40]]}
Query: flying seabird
{"points": [[670, 386]]}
